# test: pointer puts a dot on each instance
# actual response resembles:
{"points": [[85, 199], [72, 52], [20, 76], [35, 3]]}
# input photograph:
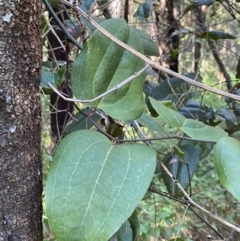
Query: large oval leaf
{"points": [[102, 64], [93, 185], [227, 164]]}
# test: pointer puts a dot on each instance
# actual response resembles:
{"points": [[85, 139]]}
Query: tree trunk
{"points": [[20, 121]]}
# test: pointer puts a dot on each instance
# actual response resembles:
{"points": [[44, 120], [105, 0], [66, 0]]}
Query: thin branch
{"points": [[60, 24], [203, 220], [114, 89], [166, 138], [147, 60]]}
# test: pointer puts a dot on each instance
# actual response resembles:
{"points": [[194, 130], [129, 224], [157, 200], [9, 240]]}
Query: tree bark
{"points": [[20, 121]]}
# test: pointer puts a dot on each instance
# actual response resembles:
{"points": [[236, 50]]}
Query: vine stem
{"points": [[147, 60], [114, 89]]}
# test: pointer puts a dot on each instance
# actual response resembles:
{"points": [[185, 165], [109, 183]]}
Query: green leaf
{"points": [[147, 89], [193, 128], [216, 35], [149, 46], [204, 148], [86, 5], [80, 122], [195, 110], [93, 186], [198, 130], [144, 10], [227, 164], [181, 89], [135, 224], [171, 161], [229, 118], [47, 76], [236, 135], [173, 118], [179, 169], [185, 174], [50, 65], [196, 4], [54, 77], [125, 232], [155, 128], [102, 64]]}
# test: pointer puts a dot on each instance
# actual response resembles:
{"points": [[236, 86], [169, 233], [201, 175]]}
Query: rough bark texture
{"points": [[20, 119]]}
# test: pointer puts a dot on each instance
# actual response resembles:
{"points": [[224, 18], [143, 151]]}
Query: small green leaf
{"points": [[227, 164], [174, 52], [59, 75], [185, 173], [204, 148], [171, 161], [198, 130], [125, 232], [230, 119], [196, 4], [102, 64], [135, 224], [47, 76], [216, 35], [179, 169], [155, 128], [52, 76], [80, 122], [49, 65], [175, 89], [86, 5], [144, 10], [93, 186], [236, 135], [173, 118], [195, 110]]}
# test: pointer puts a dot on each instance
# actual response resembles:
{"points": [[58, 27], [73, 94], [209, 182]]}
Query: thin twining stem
{"points": [[114, 89], [166, 138], [147, 60]]}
